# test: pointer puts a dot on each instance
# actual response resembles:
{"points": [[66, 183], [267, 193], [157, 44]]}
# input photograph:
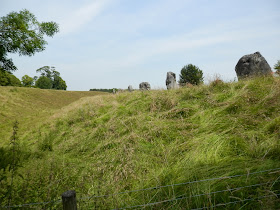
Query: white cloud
{"points": [[146, 49], [75, 20]]}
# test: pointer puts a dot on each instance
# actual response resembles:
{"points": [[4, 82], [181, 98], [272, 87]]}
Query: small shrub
{"points": [[191, 74]]}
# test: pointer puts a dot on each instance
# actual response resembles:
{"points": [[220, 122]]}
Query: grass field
{"points": [[32, 106], [108, 144]]}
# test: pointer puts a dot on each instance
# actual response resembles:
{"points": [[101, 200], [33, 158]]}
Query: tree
{"points": [[277, 67], [191, 74], [27, 81], [54, 76], [59, 83], [44, 82], [48, 71], [21, 33], [8, 79]]}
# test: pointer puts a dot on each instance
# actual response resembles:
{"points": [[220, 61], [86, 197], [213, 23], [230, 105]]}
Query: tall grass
{"points": [[31, 107], [115, 143]]}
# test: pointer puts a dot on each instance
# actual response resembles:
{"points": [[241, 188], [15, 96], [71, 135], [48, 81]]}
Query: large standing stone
{"points": [[252, 65], [144, 86], [130, 89], [171, 80]]}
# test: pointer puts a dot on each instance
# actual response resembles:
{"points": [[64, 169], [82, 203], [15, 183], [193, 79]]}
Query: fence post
{"points": [[69, 200]]}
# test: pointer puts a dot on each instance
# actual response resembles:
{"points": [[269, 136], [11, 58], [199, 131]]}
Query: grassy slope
{"points": [[31, 106], [114, 143]]}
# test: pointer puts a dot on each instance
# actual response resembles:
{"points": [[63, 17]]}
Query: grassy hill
{"points": [[32, 106], [108, 144]]}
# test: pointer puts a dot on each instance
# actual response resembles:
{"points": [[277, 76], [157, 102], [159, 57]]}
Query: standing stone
{"points": [[171, 81], [144, 86], [252, 65], [130, 89]]}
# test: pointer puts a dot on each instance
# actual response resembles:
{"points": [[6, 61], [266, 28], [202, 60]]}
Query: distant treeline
{"points": [[104, 90]]}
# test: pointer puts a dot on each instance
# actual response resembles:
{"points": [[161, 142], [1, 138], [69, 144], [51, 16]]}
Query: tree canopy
{"points": [[43, 82], [8, 79], [21, 33], [27, 81], [191, 74], [50, 76]]}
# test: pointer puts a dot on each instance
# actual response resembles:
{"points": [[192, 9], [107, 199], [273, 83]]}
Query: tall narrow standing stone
{"points": [[171, 80], [130, 89]]}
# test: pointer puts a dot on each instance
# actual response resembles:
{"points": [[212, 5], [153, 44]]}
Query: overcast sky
{"points": [[116, 43]]}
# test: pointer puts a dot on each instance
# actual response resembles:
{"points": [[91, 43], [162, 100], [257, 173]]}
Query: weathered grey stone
{"points": [[144, 86], [252, 65], [171, 80], [130, 89]]}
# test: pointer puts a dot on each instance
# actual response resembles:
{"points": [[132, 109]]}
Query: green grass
{"points": [[32, 106], [114, 143]]}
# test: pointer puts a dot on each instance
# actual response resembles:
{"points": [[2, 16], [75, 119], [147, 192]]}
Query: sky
{"points": [[117, 43]]}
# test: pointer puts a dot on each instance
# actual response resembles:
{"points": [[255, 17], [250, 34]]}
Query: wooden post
{"points": [[69, 200]]}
